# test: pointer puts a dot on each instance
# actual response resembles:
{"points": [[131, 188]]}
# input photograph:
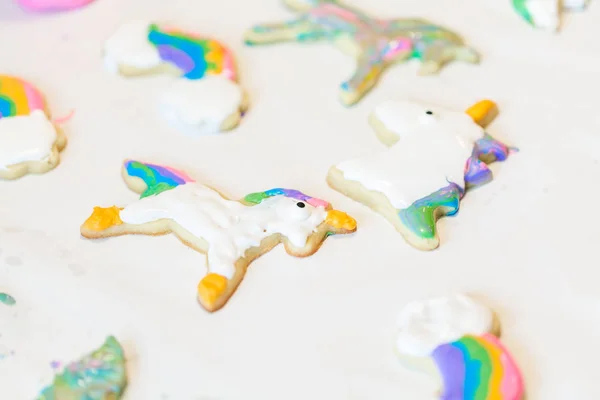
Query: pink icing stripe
{"points": [[179, 173], [229, 70], [53, 5], [512, 387], [35, 100], [317, 202]]}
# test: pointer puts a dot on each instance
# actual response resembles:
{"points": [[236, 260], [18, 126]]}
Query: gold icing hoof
{"points": [[103, 218], [210, 288]]}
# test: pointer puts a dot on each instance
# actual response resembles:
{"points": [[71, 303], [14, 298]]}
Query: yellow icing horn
{"points": [[340, 221], [483, 112]]}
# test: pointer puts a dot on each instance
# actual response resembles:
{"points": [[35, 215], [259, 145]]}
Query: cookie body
{"points": [[375, 43], [29, 141], [546, 14], [455, 339], [434, 155], [206, 97], [231, 233], [101, 375], [53, 5]]}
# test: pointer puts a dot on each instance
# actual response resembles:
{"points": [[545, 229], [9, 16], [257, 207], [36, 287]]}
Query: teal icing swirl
{"points": [[100, 375], [7, 299]]}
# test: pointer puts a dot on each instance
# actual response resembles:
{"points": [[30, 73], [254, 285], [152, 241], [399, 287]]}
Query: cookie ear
{"points": [[151, 179]]}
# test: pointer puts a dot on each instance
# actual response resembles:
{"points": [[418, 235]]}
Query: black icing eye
{"points": [[428, 112], [301, 204]]}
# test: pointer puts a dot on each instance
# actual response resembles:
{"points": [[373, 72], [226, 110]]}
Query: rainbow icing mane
{"points": [[18, 97], [194, 55], [159, 178], [156, 177], [478, 368], [257, 198]]}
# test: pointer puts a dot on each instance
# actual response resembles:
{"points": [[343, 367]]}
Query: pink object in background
{"points": [[52, 5]]}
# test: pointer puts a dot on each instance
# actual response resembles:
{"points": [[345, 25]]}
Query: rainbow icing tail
{"points": [[478, 368], [156, 177], [422, 215], [18, 97]]}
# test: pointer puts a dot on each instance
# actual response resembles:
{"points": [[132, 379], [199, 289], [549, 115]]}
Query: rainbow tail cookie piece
{"points": [[100, 375], [155, 178], [421, 217], [478, 368]]}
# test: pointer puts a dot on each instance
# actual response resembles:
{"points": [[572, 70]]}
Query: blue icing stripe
{"points": [[153, 174], [6, 107], [472, 371]]}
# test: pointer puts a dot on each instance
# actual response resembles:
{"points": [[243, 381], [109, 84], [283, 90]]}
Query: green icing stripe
{"points": [[478, 366], [521, 8]]}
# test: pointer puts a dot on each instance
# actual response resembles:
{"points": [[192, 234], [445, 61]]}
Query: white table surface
{"points": [[321, 327]]}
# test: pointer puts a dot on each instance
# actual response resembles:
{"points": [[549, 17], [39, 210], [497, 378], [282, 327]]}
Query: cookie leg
{"points": [[436, 55], [223, 277], [299, 29], [367, 73], [419, 220]]}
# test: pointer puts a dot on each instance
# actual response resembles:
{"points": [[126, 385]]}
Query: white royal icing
{"points": [[130, 46], [425, 325], [575, 4], [229, 227], [201, 105], [26, 138], [545, 13], [432, 150]]}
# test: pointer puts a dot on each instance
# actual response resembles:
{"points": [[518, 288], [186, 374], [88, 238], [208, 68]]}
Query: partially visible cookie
{"points": [[206, 98], [375, 43], [546, 14], [29, 141], [455, 338], [100, 375], [53, 5]]}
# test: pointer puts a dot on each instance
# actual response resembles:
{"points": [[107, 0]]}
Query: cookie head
{"points": [[294, 206], [425, 325], [406, 118]]}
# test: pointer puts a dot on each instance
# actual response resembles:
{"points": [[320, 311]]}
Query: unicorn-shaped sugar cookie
{"points": [[231, 233], [375, 43], [456, 339], [546, 14], [434, 155], [100, 375], [206, 97], [53, 5], [29, 141]]}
